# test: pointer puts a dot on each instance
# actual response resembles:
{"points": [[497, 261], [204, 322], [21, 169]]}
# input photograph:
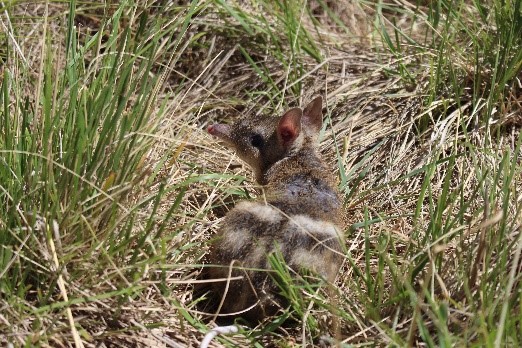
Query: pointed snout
{"points": [[222, 131], [211, 129], [219, 130]]}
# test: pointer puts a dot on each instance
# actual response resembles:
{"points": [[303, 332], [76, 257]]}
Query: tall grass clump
{"points": [[277, 27], [78, 125], [473, 50], [450, 274]]}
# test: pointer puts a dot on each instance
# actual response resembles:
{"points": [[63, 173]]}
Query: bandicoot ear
{"points": [[313, 114], [289, 126]]}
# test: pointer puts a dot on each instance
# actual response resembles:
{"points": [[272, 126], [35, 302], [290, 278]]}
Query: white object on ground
{"points": [[223, 330]]}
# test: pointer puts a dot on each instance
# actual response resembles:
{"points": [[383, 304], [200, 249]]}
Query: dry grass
{"points": [[419, 167]]}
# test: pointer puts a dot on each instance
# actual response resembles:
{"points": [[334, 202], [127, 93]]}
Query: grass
{"points": [[110, 189]]}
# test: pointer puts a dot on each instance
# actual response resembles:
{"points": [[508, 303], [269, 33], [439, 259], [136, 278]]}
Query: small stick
{"points": [[61, 285]]}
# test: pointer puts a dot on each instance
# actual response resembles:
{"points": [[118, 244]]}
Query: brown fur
{"points": [[298, 216]]}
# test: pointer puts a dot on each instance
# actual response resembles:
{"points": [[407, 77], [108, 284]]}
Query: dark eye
{"points": [[257, 141]]}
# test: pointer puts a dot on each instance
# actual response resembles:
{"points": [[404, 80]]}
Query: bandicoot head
{"points": [[263, 141]]}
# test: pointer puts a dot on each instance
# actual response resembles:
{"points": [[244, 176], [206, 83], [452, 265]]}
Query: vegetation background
{"points": [[110, 188]]}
